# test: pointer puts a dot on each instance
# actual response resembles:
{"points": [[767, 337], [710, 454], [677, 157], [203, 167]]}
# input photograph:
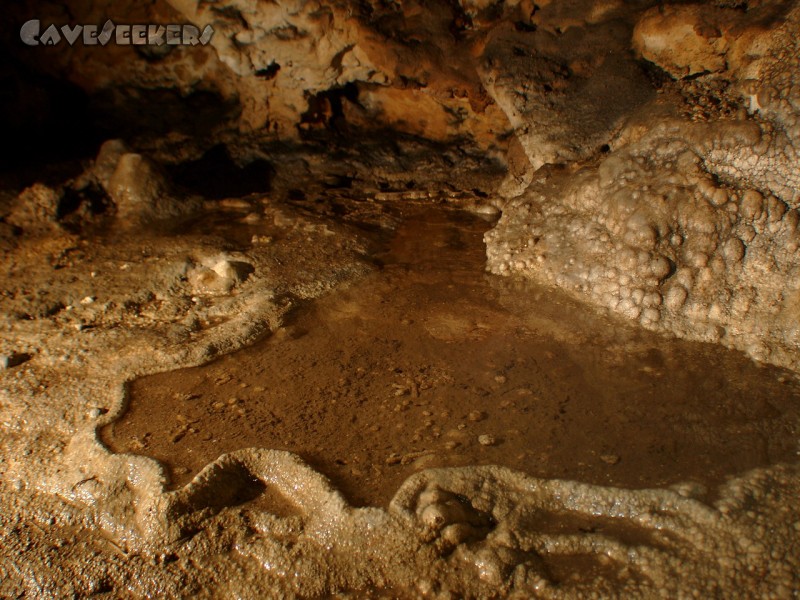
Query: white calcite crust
{"points": [[686, 226]]}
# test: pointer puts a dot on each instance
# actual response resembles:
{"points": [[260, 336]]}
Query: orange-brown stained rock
{"points": [[432, 363]]}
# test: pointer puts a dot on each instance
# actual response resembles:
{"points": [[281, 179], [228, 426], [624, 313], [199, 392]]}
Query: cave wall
{"points": [[502, 77]]}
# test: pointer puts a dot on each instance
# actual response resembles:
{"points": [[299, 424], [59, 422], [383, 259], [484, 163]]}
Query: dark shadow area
{"points": [[326, 109], [44, 122], [232, 485], [216, 176], [129, 113]]}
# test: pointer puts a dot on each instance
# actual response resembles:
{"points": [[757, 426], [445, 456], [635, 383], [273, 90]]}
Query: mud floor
{"points": [[431, 362], [365, 337], [373, 299]]}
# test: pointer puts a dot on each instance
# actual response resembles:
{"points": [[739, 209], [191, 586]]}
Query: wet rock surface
{"points": [[183, 230]]}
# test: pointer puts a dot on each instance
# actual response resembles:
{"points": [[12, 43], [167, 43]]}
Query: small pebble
{"points": [[486, 440], [476, 415], [610, 459]]}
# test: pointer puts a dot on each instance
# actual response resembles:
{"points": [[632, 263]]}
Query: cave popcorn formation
{"points": [[688, 225]]}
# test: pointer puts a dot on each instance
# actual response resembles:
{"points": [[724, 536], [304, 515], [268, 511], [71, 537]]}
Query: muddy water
{"points": [[431, 362]]}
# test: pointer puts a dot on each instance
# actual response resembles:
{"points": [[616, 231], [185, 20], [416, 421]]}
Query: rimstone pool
{"points": [[432, 362]]}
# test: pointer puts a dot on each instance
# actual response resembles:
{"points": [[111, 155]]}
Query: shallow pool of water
{"points": [[431, 362]]}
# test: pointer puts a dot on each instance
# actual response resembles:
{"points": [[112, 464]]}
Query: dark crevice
{"points": [[79, 208], [525, 27], [269, 72], [658, 77], [326, 109]]}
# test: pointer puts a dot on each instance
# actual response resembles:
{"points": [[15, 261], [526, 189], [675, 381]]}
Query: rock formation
{"points": [[161, 206]]}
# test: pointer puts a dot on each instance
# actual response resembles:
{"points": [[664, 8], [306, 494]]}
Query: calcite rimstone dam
{"points": [[403, 299]]}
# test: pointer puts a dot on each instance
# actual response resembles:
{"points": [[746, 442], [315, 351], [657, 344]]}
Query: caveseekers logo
{"points": [[123, 35]]}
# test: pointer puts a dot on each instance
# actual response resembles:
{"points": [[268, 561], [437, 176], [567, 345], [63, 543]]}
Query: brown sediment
{"points": [[431, 362]]}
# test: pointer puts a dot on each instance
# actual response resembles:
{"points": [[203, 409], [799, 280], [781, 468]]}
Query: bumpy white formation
{"points": [[686, 226], [471, 532]]}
